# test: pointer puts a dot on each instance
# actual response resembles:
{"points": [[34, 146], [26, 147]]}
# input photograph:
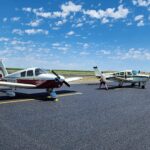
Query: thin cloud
{"points": [[70, 33], [30, 31], [144, 3], [35, 23], [139, 20], [120, 13], [15, 19]]}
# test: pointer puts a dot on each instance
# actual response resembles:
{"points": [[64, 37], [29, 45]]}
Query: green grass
{"points": [[64, 72], [74, 72]]}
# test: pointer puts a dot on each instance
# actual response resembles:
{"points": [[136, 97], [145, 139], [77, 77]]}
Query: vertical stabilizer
{"points": [[3, 71], [97, 72]]}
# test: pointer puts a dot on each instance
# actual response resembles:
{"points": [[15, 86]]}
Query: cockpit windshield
{"points": [[39, 71], [135, 72]]}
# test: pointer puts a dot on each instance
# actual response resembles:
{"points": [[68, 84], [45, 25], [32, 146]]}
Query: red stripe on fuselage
{"points": [[41, 83]]}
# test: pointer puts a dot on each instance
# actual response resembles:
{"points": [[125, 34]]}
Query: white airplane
{"points": [[32, 78], [127, 76]]}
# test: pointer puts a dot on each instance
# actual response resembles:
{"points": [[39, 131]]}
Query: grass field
{"points": [[62, 72], [88, 76]]}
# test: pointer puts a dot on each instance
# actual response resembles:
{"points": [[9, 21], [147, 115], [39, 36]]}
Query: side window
{"points": [[30, 73], [37, 72], [121, 73], [116, 74], [129, 73], [23, 74]]}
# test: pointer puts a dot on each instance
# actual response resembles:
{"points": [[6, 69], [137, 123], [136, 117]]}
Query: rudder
{"points": [[3, 71], [97, 72]]}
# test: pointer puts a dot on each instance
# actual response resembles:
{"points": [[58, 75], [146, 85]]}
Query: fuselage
{"points": [[35, 76], [129, 76]]}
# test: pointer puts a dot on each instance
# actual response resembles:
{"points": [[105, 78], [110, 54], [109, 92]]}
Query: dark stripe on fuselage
{"points": [[41, 83], [127, 79], [133, 77]]}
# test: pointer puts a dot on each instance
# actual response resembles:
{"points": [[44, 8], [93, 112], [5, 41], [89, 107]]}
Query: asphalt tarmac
{"points": [[84, 118]]}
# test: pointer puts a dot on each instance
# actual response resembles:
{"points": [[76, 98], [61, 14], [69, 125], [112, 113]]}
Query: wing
{"points": [[12, 84], [73, 79]]}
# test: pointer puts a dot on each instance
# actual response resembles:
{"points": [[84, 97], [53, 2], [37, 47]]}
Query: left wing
{"points": [[73, 79], [13, 84]]}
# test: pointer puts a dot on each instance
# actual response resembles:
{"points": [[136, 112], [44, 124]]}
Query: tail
{"points": [[3, 71], [97, 72]]}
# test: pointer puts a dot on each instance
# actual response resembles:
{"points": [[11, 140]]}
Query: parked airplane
{"points": [[127, 76], [32, 78]]}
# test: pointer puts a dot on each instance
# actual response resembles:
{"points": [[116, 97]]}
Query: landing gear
{"points": [[52, 94], [143, 85], [139, 84], [133, 84], [120, 84], [10, 93]]}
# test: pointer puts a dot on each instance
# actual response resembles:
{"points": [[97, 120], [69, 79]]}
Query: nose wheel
{"points": [[52, 94], [120, 84], [143, 85]]}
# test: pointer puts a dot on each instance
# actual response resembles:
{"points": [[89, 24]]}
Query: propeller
{"points": [[55, 74], [66, 83], [60, 78]]}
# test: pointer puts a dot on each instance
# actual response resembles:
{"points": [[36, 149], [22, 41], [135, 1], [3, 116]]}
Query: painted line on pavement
{"points": [[27, 100]]}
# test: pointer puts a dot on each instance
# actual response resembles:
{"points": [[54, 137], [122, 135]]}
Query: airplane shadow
{"points": [[37, 96]]}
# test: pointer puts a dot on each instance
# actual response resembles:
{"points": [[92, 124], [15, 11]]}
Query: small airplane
{"points": [[127, 76], [32, 78]]}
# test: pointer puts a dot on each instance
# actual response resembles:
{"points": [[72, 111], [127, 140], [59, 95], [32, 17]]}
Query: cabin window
{"points": [[30, 73], [134, 72], [121, 73], [129, 73], [23, 74], [39, 71]]}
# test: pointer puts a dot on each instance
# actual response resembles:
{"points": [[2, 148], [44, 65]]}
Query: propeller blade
{"points": [[55, 74], [66, 83], [60, 78]]}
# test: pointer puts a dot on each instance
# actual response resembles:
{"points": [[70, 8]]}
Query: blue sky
{"points": [[79, 34]]}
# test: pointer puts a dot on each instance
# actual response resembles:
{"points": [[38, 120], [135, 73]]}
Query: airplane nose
{"points": [[60, 78]]}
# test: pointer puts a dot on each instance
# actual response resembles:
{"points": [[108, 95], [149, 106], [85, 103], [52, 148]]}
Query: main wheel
{"points": [[143, 86], [133, 84]]}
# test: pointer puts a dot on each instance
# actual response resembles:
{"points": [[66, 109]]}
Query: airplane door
{"points": [[30, 76], [122, 74], [129, 75]]}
